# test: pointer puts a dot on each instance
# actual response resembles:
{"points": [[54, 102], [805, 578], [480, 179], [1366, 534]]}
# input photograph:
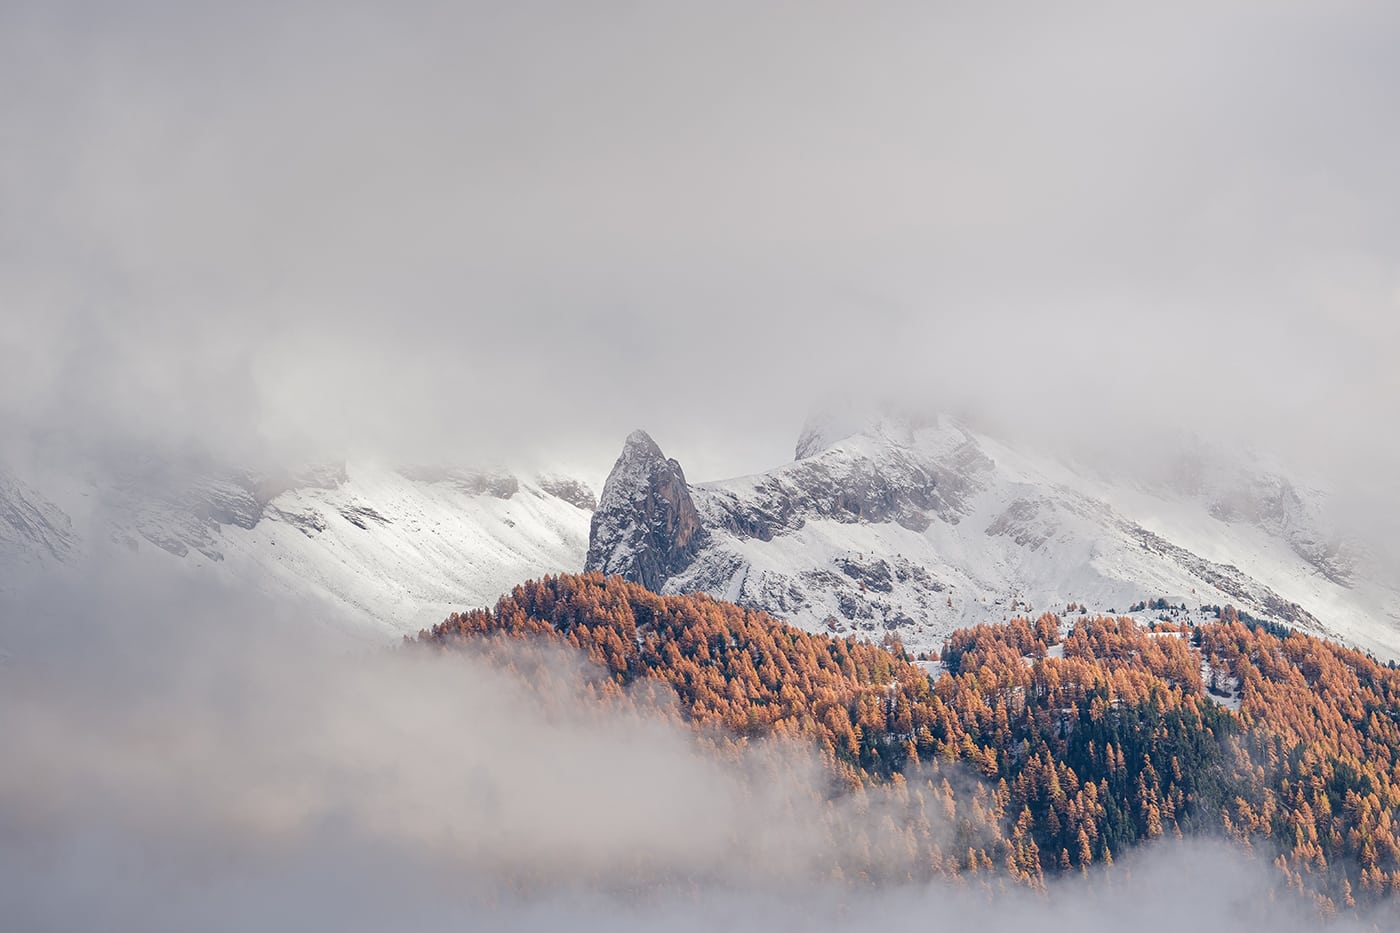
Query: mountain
{"points": [[883, 525], [919, 528], [389, 549]]}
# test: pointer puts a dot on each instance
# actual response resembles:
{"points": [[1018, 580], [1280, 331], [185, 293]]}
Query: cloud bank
{"points": [[431, 230], [181, 758]]}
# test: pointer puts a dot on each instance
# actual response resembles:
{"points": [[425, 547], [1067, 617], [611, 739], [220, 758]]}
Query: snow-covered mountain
{"points": [[921, 528], [389, 550], [889, 525]]}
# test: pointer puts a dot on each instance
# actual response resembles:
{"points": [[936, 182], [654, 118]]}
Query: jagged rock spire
{"points": [[646, 528]]}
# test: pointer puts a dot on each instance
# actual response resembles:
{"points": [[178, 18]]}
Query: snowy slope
{"points": [[404, 554], [387, 550], [33, 530], [920, 529], [898, 527]]}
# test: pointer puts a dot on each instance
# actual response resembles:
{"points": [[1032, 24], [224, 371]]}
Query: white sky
{"points": [[428, 231]]}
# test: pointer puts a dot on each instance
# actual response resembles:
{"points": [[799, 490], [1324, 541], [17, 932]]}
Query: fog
{"points": [[181, 758], [425, 231]]}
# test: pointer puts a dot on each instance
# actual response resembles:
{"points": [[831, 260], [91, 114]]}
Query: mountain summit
{"points": [[646, 528]]}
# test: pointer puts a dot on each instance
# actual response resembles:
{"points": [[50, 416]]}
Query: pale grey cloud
{"points": [[180, 754], [441, 229]]}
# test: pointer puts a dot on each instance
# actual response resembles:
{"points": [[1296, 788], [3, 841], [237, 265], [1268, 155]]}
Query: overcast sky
{"points": [[427, 231]]}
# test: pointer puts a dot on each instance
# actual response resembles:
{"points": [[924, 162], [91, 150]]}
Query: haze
{"points": [[195, 761]]}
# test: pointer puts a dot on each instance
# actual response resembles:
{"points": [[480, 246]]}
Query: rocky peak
{"points": [[646, 528]]}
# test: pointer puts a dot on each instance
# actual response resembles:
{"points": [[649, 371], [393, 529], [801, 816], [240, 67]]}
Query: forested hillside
{"points": [[1085, 737]]}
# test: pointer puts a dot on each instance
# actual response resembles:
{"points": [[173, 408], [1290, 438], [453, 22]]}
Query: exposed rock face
{"points": [[846, 485], [646, 528], [655, 529]]}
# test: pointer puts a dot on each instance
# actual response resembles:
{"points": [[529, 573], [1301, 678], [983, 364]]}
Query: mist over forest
{"points": [[188, 762]]}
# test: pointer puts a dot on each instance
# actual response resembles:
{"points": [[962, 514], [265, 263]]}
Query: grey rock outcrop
{"points": [[646, 528]]}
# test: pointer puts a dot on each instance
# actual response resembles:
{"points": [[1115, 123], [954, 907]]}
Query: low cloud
{"points": [[200, 758]]}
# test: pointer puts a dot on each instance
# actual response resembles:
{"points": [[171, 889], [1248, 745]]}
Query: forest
{"points": [[1027, 750]]}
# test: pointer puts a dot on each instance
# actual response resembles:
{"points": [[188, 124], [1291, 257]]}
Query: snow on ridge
{"points": [[900, 527], [918, 529], [386, 552], [437, 549]]}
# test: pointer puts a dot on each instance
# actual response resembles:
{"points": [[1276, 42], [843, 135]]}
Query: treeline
{"points": [[1087, 739]]}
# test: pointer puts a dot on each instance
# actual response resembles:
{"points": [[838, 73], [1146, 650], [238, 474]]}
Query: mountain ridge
{"points": [[922, 527], [915, 526], [385, 549]]}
